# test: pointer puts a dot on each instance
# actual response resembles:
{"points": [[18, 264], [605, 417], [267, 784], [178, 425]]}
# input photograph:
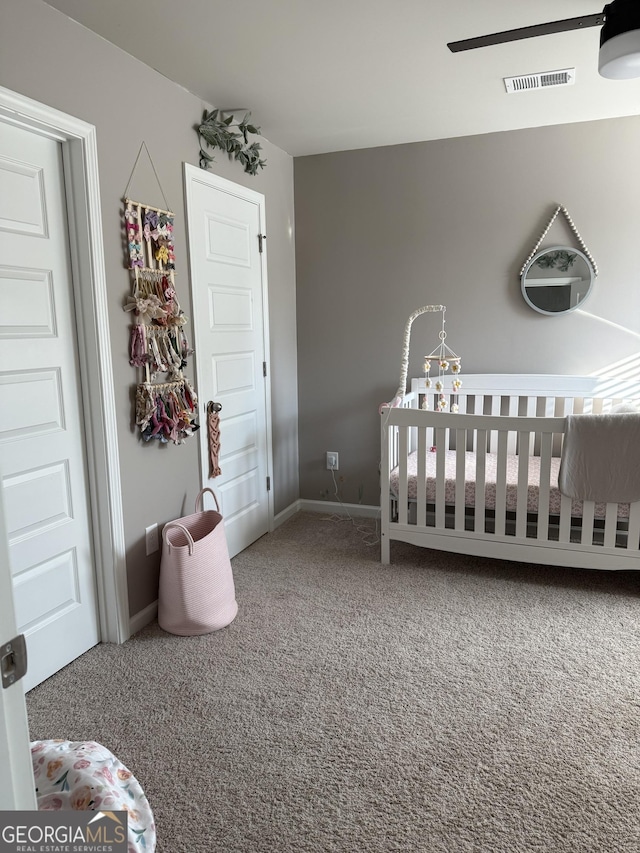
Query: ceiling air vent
{"points": [[566, 77]]}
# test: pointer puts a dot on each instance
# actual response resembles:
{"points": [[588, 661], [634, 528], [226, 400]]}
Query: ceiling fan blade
{"points": [[528, 32]]}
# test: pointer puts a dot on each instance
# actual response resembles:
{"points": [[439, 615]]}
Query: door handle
{"points": [[213, 407]]}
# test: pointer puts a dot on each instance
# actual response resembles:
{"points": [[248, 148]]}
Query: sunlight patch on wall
{"points": [[624, 373]]}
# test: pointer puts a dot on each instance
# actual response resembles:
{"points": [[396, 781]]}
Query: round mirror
{"points": [[557, 280]]}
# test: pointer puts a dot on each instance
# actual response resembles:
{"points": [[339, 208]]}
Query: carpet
{"points": [[443, 704]]}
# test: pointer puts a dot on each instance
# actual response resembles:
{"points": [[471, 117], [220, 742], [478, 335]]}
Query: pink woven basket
{"points": [[197, 594]]}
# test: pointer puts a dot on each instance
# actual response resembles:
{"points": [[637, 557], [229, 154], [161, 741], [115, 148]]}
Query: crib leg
{"points": [[385, 550]]}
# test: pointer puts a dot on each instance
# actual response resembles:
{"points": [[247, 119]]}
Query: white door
{"points": [[17, 789], [228, 284], [42, 454]]}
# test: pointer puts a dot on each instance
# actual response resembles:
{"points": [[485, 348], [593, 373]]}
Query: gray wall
{"points": [[51, 59], [383, 231]]}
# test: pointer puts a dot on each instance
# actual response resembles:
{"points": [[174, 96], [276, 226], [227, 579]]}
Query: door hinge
{"points": [[13, 660], [268, 484], [261, 238], [264, 368]]}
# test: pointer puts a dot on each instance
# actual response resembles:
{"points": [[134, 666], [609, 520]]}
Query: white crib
{"points": [[484, 480]]}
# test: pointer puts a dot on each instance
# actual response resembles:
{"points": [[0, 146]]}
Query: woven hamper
{"points": [[197, 594]]}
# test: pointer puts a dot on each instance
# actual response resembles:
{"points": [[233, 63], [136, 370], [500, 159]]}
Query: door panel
{"points": [[42, 443], [22, 195], [229, 306]]}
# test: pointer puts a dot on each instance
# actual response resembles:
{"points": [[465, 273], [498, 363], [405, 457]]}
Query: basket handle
{"points": [[171, 524], [200, 502]]}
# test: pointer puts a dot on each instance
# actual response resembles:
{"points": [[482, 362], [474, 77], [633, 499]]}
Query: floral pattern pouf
{"points": [[84, 775]]}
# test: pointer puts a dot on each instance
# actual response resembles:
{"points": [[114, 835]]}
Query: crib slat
{"points": [[588, 514], [563, 407], [512, 444], [523, 483], [429, 436], [461, 443], [530, 412], [565, 519], [496, 403], [421, 505], [413, 439], [610, 523], [549, 407], [544, 487], [633, 536], [440, 460], [501, 484], [403, 451], [472, 435], [387, 442], [481, 463]]}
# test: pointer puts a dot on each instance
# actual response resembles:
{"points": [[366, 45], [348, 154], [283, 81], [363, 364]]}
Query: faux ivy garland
{"points": [[231, 137], [560, 260]]}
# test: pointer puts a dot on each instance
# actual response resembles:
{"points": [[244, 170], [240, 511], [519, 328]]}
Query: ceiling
{"points": [[331, 75]]}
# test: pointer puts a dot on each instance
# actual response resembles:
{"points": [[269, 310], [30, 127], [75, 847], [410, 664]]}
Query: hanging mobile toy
{"points": [[446, 360]]}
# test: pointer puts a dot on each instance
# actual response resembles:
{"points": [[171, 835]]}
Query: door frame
{"points": [[191, 175], [89, 283]]}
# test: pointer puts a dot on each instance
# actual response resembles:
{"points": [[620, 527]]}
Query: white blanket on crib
{"points": [[601, 458]]}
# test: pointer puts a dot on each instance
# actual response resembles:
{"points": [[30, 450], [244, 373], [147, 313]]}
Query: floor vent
{"points": [[566, 77]]}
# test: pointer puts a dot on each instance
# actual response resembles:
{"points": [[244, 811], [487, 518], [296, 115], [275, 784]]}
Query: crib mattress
{"points": [[491, 464]]}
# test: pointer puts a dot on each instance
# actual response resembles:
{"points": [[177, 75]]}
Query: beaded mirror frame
{"points": [[558, 288]]}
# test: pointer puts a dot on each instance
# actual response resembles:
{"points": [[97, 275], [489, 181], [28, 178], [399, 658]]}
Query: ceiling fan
{"points": [[619, 56]]}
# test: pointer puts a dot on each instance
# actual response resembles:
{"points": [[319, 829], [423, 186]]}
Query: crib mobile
{"points": [[444, 358], [165, 410]]}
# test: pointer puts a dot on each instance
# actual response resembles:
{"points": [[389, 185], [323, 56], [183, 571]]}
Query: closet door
{"points": [[229, 294], [42, 442]]}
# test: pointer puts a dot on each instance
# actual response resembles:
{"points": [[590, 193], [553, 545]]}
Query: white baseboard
{"points": [[333, 507], [142, 618], [286, 514], [326, 507]]}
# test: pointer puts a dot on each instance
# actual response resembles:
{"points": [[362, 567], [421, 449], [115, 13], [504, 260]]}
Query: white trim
{"points": [[335, 508], [143, 617], [90, 291], [326, 507], [191, 174], [286, 514]]}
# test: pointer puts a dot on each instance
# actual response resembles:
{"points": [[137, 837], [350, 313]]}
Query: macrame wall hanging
{"points": [[166, 403]]}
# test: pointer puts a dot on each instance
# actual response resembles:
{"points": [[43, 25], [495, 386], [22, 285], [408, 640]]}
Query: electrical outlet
{"points": [[333, 463], [151, 538]]}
